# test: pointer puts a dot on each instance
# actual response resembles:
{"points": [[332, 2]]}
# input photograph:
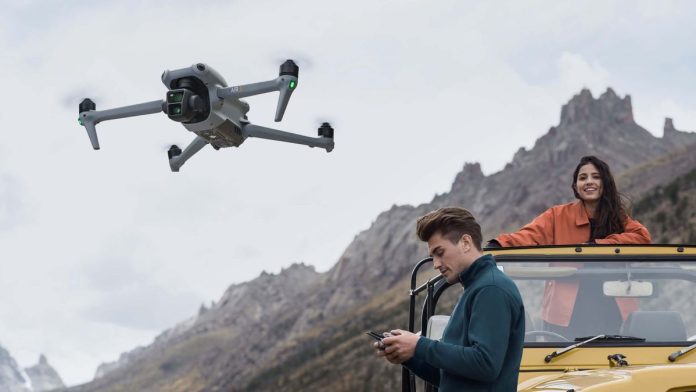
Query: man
{"points": [[481, 346]]}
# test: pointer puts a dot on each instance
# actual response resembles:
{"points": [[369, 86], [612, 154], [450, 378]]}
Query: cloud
{"points": [[11, 207], [144, 305], [127, 292], [576, 73], [652, 117]]}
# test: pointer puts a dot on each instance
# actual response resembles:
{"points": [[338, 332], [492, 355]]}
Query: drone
{"points": [[199, 99]]}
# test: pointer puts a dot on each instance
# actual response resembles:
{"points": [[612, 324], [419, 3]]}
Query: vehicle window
{"points": [[565, 301]]}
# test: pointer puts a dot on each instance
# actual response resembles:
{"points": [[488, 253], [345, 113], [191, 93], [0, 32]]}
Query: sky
{"points": [[100, 251]]}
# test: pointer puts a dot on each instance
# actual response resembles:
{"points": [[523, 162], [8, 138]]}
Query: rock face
{"points": [[11, 379], [43, 377], [674, 137], [38, 378], [300, 330], [608, 109], [229, 337]]}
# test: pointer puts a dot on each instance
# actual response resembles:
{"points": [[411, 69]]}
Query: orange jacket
{"points": [[568, 224]]}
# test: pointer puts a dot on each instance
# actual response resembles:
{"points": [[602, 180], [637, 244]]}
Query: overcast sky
{"points": [[102, 250]]}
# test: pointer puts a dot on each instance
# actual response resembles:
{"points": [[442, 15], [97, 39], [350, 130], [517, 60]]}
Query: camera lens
{"points": [[174, 109], [175, 96]]}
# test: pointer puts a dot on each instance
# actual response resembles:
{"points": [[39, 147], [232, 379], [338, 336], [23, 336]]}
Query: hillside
{"points": [[303, 330], [670, 210]]}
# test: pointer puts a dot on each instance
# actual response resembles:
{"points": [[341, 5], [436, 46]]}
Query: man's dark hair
{"points": [[611, 212], [452, 223]]}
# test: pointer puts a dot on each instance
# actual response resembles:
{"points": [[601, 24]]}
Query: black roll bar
{"points": [[434, 288]]}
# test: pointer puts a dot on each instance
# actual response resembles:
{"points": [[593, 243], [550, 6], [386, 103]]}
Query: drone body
{"points": [[200, 99]]}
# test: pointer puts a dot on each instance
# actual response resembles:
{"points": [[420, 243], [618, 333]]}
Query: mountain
{"points": [[43, 377], [541, 177], [301, 330], [648, 175], [11, 379], [229, 337], [38, 378]]}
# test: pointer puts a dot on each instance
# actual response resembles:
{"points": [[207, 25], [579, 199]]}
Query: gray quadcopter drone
{"points": [[199, 98]]}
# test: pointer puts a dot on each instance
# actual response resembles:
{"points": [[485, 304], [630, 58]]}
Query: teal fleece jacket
{"points": [[481, 346]]}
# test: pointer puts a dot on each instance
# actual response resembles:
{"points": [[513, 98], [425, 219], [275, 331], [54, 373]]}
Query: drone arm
{"points": [[126, 111], [175, 162], [251, 130], [285, 84], [90, 117], [248, 90]]}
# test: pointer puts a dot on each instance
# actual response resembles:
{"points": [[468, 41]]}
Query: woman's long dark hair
{"points": [[611, 213]]}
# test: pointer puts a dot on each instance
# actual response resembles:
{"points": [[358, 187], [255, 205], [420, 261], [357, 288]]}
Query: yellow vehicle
{"points": [[633, 322]]}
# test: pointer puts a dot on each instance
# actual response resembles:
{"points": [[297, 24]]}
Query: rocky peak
{"points": [[298, 271], [43, 376], [11, 379], [583, 107], [602, 126], [123, 360], [669, 126], [675, 137], [470, 175]]}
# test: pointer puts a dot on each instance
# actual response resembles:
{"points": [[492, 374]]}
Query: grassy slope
{"points": [[670, 211]]}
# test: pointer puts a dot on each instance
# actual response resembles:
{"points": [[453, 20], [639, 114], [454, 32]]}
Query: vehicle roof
{"points": [[582, 250]]}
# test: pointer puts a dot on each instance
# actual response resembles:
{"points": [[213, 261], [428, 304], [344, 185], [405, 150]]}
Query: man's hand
{"points": [[399, 347], [379, 346]]}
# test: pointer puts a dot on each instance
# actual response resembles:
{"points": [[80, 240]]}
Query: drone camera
{"points": [[175, 96], [183, 105]]}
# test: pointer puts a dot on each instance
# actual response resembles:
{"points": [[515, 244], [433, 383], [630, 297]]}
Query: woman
{"points": [[598, 216]]}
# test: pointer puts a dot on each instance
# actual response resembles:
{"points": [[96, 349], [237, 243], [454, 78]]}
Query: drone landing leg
{"points": [[251, 130], [178, 159]]}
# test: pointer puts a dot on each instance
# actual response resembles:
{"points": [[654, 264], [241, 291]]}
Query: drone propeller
{"points": [[167, 146], [328, 119], [293, 62], [301, 59], [333, 121]]}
